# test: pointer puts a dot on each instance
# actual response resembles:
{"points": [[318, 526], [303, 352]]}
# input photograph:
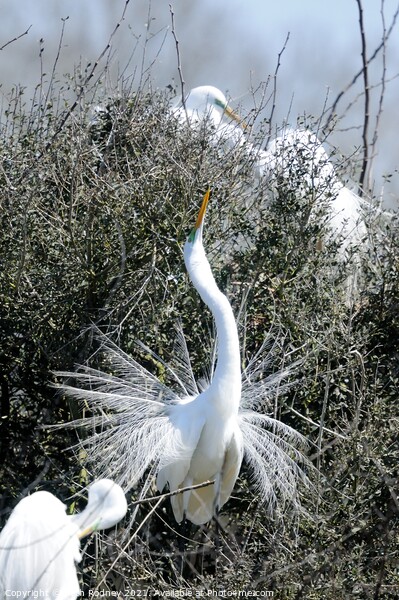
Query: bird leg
{"points": [[188, 482], [217, 486], [216, 506]]}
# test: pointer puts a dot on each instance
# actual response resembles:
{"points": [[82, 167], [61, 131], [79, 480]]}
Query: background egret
{"points": [[299, 156], [296, 150], [205, 101], [39, 545], [200, 435], [206, 105], [298, 161]]}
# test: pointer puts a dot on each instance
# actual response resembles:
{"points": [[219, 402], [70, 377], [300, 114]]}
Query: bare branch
{"points": [[366, 100], [159, 499], [89, 77], [382, 93], [169, 494], [15, 39], [359, 73], [179, 67], [56, 59], [274, 95]]}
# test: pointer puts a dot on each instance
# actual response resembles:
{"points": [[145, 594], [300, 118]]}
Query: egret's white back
{"points": [[39, 548]]}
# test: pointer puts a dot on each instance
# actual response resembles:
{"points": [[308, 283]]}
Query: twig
{"points": [[130, 540], [42, 74], [318, 425], [274, 95], [88, 78], [15, 39], [366, 101], [160, 498], [146, 70], [169, 494], [356, 420], [382, 93], [359, 73], [179, 67], [23, 251], [56, 59], [324, 410], [391, 513]]}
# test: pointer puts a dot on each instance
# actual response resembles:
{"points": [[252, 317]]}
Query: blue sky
{"points": [[233, 44]]}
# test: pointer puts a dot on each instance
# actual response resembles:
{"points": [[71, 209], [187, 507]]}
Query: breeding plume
{"points": [[39, 545], [185, 436]]}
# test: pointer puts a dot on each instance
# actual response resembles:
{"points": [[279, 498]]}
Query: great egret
{"points": [[296, 155], [195, 436], [298, 159], [205, 101], [207, 104], [39, 545]]}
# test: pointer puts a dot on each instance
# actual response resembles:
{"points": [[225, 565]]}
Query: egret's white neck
{"points": [[228, 370]]}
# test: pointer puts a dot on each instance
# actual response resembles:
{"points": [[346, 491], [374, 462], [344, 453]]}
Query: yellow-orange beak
{"points": [[233, 115], [87, 531], [200, 217], [202, 211]]}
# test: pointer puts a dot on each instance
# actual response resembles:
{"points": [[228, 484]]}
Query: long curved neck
{"points": [[88, 518], [228, 370]]}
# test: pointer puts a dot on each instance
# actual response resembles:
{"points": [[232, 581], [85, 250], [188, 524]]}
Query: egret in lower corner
{"points": [[39, 545]]}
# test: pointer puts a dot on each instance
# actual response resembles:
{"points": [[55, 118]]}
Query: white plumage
{"points": [[186, 436], [39, 545], [298, 156], [207, 105]]}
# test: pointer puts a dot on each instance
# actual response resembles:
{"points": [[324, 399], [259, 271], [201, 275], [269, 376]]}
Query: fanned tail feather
{"points": [[274, 455], [133, 435]]}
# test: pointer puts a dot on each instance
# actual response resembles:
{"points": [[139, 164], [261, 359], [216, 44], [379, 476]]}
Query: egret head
{"points": [[106, 506], [205, 98]]}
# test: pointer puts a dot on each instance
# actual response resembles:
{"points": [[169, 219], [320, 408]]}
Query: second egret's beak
{"points": [[201, 215], [233, 115], [87, 530]]}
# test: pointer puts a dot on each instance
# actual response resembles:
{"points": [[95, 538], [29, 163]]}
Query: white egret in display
{"points": [[186, 436], [39, 545]]}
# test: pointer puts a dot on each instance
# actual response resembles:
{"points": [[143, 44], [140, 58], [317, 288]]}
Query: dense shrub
{"points": [[93, 217]]}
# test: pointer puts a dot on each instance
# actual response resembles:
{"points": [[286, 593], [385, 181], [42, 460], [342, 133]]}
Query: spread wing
{"points": [[188, 423], [201, 504]]}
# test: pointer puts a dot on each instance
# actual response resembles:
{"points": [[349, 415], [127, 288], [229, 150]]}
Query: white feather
{"points": [[39, 545], [140, 423]]}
